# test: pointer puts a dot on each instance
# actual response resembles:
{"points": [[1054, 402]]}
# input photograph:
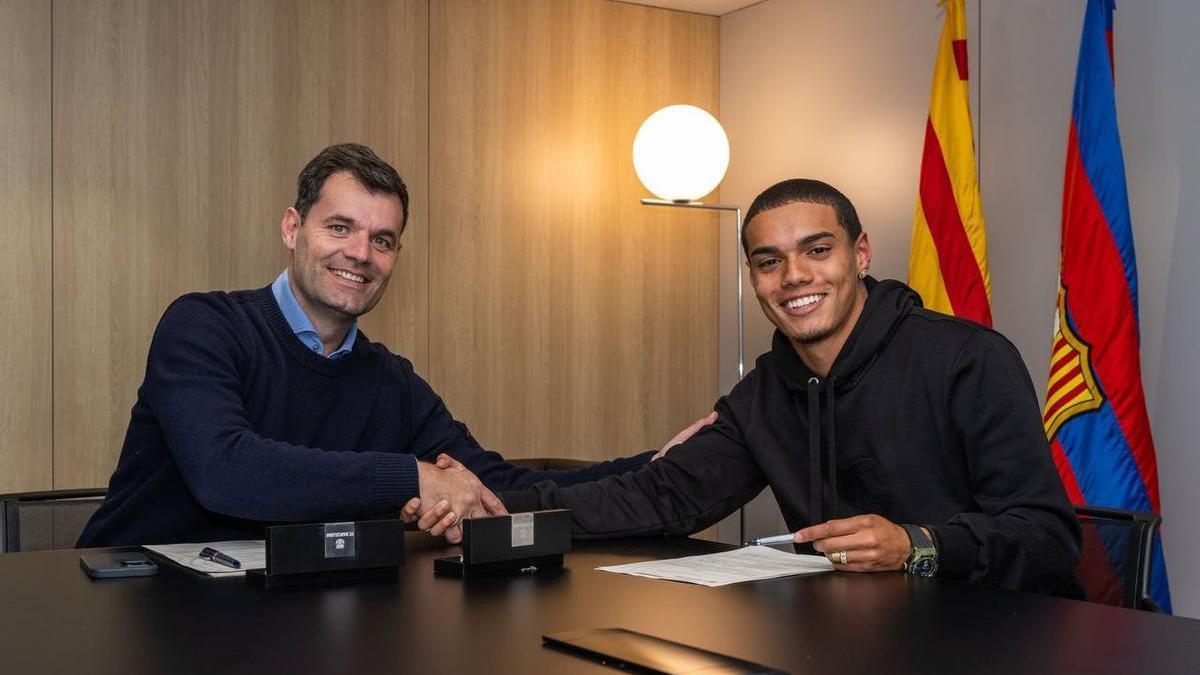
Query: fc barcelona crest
{"points": [[1072, 389]]}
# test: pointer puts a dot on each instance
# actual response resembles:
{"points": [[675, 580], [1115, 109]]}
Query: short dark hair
{"points": [[360, 161], [808, 191]]}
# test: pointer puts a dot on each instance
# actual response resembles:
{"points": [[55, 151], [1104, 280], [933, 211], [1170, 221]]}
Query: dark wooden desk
{"points": [[53, 619]]}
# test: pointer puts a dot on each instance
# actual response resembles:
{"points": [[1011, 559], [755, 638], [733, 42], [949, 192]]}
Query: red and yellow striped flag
{"points": [[948, 263]]}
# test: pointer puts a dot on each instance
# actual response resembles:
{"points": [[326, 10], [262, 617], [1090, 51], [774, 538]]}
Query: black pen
{"points": [[218, 557]]}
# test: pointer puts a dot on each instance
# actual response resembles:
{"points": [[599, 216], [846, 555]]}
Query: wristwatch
{"points": [[923, 559]]}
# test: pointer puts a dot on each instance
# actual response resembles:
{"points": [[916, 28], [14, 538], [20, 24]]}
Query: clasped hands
{"points": [[449, 492]]}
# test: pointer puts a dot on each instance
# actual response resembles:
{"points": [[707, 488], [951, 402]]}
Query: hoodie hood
{"points": [[888, 302]]}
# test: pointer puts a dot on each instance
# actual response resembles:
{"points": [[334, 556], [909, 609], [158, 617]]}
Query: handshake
{"points": [[449, 493]]}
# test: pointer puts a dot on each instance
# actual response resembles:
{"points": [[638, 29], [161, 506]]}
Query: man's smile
{"points": [[802, 304], [349, 276]]}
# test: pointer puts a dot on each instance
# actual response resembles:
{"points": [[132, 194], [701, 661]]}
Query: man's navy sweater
{"points": [[237, 425]]}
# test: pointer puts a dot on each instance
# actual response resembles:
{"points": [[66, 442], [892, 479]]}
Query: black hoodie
{"points": [[923, 418]]}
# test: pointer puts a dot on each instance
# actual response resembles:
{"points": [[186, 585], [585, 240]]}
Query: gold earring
{"points": [[862, 274]]}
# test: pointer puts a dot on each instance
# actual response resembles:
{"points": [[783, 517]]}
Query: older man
{"points": [[269, 405]]}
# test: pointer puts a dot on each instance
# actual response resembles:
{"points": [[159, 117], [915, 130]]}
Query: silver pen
{"points": [[771, 541]]}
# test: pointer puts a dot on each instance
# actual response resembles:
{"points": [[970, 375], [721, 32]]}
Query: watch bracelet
{"points": [[926, 541]]}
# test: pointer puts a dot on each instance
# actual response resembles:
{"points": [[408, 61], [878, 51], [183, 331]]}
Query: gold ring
{"points": [[841, 557]]}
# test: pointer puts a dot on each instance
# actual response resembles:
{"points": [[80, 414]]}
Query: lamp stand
{"points": [[737, 268]]}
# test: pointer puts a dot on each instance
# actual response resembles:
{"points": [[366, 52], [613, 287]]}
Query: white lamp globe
{"points": [[680, 153]]}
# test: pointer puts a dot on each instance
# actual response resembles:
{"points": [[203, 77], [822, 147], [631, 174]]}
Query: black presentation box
{"points": [[519, 542], [317, 553]]}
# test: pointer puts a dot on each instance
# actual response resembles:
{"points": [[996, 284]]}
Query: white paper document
{"points": [[252, 555], [750, 563]]}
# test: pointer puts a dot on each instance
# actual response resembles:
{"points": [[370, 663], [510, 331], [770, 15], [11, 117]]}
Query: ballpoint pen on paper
{"points": [[772, 541], [216, 556]]}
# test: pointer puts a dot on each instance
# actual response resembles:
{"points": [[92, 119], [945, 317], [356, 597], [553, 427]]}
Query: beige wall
{"points": [[178, 130], [568, 319]]}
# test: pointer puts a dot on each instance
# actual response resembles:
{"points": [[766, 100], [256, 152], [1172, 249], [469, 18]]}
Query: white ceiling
{"points": [[711, 7]]}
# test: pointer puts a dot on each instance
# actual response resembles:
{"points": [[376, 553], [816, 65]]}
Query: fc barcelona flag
{"points": [[1095, 414], [948, 263]]}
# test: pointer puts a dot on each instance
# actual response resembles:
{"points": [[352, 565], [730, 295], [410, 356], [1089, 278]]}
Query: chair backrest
{"points": [[1114, 561], [43, 521], [549, 463]]}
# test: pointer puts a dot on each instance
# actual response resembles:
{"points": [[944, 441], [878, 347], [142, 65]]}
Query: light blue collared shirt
{"points": [[301, 325]]}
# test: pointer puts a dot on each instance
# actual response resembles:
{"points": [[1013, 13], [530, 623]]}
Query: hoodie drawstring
{"points": [[816, 490], [829, 431], [814, 450]]}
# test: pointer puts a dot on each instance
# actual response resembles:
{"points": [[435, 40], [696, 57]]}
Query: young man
{"points": [[269, 405], [892, 436]]}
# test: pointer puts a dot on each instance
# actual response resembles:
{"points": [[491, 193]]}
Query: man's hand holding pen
{"points": [[867, 543]]}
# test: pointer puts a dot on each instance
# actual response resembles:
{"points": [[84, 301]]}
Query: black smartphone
{"points": [[117, 565]]}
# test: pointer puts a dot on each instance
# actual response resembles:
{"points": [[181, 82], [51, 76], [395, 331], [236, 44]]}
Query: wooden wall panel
{"points": [[566, 319], [25, 421], [179, 128]]}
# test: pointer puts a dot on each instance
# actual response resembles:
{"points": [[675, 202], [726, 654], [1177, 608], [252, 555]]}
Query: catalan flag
{"points": [[1095, 413], [948, 263]]}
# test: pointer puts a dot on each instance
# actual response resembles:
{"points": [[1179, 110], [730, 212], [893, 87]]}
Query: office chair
{"points": [[43, 521], [536, 463], [1115, 558]]}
